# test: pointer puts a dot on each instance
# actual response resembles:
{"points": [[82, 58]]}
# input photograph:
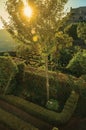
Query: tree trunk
{"points": [[47, 77]]}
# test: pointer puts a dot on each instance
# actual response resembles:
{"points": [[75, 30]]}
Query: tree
{"points": [[30, 55], [64, 57], [81, 31], [71, 30], [23, 51], [40, 28], [64, 41], [77, 64]]}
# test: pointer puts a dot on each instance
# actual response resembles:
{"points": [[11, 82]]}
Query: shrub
{"points": [[83, 77], [44, 114], [16, 85], [71, 30], [8, 69], [77, 65], [52, 104], [65, 56], [35, 90], [35, 86]]}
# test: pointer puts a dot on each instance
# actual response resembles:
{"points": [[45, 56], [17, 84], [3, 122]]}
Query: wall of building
{"points": [[78, 14]]}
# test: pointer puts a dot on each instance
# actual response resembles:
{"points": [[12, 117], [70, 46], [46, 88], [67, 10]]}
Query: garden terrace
{"points": [[44, 114]]}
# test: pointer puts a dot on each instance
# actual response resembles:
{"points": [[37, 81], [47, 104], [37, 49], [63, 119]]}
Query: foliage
{"points": [[71, 30], [81, 107], [65, 56], [16, 85], [44, 114], [77, 64], [81, 31], [40, 28], [23, 51], [36, 25], [83, 77], [11, 53], [48, 10], [55, 128], [30, 54], [35, 87], [80, 86], [8, 69], [63, 43], [14, 122], [63, 40], [52, 104]]}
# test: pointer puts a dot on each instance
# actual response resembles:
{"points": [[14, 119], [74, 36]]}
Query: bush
{"points": [[44, 114], [65, 55], [8, 69], [16, 85], [71, 30], [52, 104], [81, 107], [77, 65], [83, 77], [35, 87]]}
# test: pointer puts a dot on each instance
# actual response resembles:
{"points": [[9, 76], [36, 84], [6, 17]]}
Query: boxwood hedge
{"points": [[44, 114]]}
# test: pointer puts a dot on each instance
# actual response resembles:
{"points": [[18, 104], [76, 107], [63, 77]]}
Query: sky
{"points": [[75, 3], [71, 3]]}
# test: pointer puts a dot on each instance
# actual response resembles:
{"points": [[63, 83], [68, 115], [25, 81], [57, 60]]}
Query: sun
{"points": [[28, 11]]}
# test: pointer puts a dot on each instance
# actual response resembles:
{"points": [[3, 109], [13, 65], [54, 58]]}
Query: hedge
{"points": [[31, 86], [77, 65], [14, 122], [44, 114], [16, 86], [8, 69], [34, 86]]}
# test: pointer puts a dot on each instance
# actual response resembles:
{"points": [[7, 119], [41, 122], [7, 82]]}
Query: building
{"points": [[77, 14]]}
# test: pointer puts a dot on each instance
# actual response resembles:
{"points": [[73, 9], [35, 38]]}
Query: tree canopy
{"points": [[71, 29], [81, 31], [77, 64], [8, 69], [43, 23], [41, 27]]}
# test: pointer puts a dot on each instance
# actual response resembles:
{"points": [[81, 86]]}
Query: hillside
{"points": [[7, 43]]}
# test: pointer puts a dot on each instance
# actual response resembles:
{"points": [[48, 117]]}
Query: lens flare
{"points": [[28, 11]]}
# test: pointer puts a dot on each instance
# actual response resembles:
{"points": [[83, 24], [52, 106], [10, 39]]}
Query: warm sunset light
{"points": [[35, 38], [28, 11]]}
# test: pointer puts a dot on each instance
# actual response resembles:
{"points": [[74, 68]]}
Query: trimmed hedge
{"points": [[34, 86], [14, 122], [8, 70], [44, 114], [61, 86], [16, 86], [31, 86]]}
